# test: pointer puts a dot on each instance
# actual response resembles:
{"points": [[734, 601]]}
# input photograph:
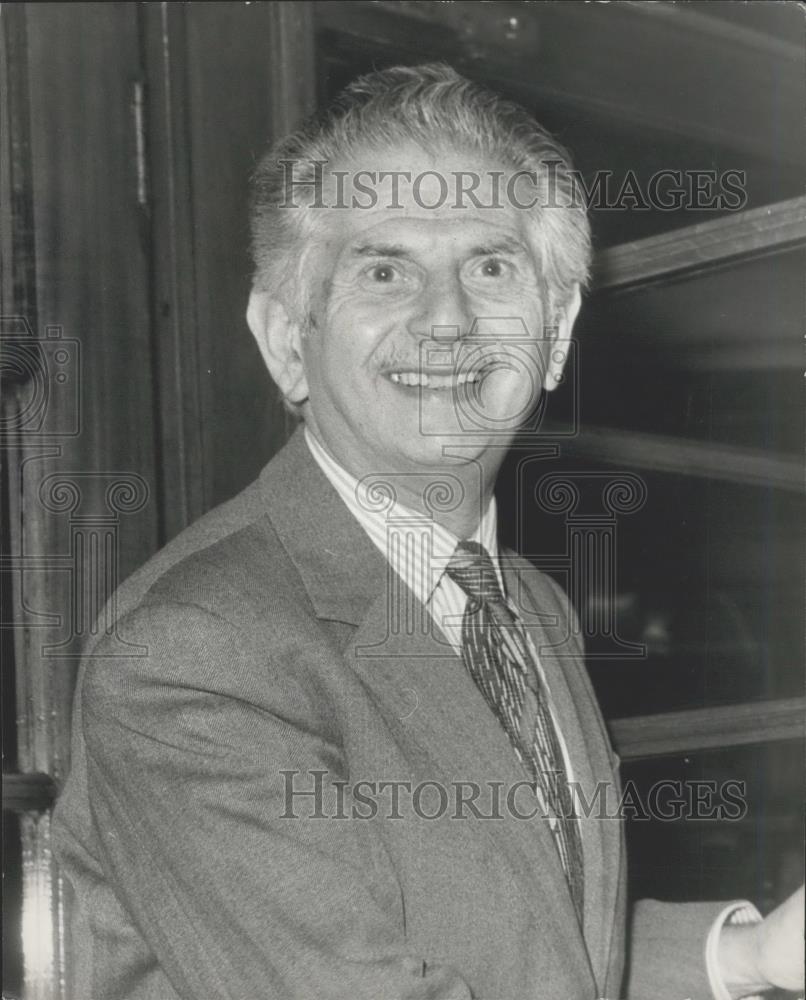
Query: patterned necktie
{"points": [[499, 660]]}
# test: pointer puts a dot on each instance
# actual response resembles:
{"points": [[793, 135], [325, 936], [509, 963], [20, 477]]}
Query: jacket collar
{"points": [[550, 624], [340, 567]]}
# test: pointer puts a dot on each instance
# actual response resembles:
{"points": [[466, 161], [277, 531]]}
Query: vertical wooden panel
{"points": [[230, 124], [226, 73], [79, 432], [182, 459], [92, 245], [292, 68]]}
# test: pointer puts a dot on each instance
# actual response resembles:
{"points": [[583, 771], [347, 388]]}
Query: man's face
{"points": [[428, 324]]}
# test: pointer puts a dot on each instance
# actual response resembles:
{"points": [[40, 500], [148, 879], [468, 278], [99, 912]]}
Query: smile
{"points": [[432, 381]]}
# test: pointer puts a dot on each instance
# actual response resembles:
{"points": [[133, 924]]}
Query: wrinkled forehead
{"points": [[441, 193], [436, 183], [431, 242]]}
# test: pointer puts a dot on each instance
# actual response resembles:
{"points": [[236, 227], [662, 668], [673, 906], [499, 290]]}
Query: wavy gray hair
{"points": [[435, 108]]}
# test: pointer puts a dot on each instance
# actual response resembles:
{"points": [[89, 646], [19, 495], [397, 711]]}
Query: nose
{"points": [[443, 310]]}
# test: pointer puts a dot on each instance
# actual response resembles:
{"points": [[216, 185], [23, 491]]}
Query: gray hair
{"points": [[435, 108]]}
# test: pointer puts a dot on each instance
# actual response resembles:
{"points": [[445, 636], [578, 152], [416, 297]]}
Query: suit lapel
{"points": [[341, 568], [588, 748], [447, 718]]}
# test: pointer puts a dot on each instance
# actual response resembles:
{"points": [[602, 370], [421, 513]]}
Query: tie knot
{"points": [[474, 571]]}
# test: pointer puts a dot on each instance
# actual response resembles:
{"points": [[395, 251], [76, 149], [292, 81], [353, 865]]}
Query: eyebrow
{"points": [[380, 250], [502, 246], [505, 245]]}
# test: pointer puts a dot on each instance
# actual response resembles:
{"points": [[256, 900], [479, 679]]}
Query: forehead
{"points": [[405, 195], [428, 239]]}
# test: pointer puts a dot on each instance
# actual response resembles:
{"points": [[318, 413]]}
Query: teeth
{"points": [[434, 381]]}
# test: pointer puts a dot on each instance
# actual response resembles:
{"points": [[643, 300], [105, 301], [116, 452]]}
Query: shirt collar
{"points": [[416, 546]]}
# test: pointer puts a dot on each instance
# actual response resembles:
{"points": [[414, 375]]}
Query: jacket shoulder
{"points": [[244, 577], [214, 527]]}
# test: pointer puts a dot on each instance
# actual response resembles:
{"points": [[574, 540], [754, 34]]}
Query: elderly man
{"points": [[340, 759]]}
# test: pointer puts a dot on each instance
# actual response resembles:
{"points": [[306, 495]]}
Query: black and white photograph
{"points": [[402, 452]]}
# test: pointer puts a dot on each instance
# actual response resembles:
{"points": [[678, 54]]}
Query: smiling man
{"points": [[413, 317], [340, 760]]}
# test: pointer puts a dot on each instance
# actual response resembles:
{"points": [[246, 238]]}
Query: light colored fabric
{"points": [[736, 913], [421, 563]]}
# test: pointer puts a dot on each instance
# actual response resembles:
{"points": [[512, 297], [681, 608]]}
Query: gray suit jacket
{"points": [[264, 649]]}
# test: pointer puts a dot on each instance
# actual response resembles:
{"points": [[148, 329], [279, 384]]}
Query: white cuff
{"points": [[739, 912]]}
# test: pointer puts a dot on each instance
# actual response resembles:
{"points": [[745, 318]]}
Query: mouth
{"points": [[433, 380]]}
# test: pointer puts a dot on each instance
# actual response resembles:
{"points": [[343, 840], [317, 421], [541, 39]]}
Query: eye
{"points": [[383, 274], [385, 277], [494, 269]]}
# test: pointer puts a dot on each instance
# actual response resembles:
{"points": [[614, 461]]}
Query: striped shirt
{"points": [[422, 567]]}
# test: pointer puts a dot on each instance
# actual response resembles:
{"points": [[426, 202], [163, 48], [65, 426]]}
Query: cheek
{"points": [[540, 337], [515, 384], [355, 331], [532, 313]]}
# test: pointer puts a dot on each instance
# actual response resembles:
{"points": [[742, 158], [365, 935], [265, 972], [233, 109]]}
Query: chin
{"points": [[441, 451]]}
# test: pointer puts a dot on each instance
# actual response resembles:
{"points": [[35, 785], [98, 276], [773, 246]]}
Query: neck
{"points": [[455, 493], [460, 504]]}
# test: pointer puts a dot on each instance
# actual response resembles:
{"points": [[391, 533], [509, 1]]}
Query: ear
{"points": [[279, 340], [560, 340]]}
